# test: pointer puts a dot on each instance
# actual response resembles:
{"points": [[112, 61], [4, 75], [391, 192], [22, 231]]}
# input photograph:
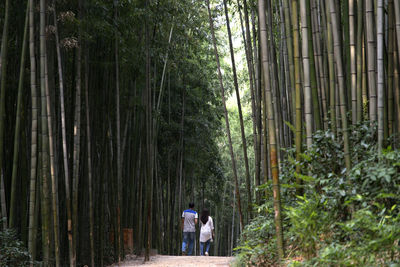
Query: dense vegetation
{"points": [[341, 219], [282, 117]]}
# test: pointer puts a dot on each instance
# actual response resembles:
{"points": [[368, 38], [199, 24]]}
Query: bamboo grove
{"points": [[119, 123], [314, 65]]}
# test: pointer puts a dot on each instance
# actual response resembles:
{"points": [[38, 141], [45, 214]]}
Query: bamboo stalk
{"points": [[380, 72], [64, 142], [45, 192], [34, 138], [371, 60], [3, 72], [54, 182], [13, 201], [390, 67], [297, 75], [332, 85], [306, 73], [89, 159], [360, 56], [353, 69], [271, 130], [341, 81]]}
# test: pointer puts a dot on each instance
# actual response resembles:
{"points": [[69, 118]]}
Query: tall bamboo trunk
{"points": [[306, 73], [353, 62], [13, 202], [380, 71], [371, 61], [258, 92], [390, 66], [315, 93], [34, 137], [3, 72], [64, 141], [276, 96], [54, 182], [118, 133], [364, 79], [315, 26], [341, 80], [396, 56], [228, 131], [89, 161], [242, 131], [271, 130], [298, 122], [149, 147], [45, 194], [360, 28], [285, 80], [76, 153], [289, 42], [332, 84]]}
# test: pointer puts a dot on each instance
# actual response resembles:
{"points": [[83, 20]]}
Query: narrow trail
{"points": [[179, 261]]}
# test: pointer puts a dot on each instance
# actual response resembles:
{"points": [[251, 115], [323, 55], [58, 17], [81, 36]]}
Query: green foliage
{"points": [[309, 220], [378, 178], [257, 245], [12, 251], [370, 240], [343, 218]]}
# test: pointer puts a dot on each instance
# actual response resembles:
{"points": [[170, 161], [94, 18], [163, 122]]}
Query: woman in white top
{"points": [[206, 231]]}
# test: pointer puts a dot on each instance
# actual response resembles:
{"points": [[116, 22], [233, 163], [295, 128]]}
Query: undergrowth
{"points": [[344, 218], [13, 253]]}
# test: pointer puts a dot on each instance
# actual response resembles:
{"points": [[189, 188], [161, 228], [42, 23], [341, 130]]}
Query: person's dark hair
{"points": [[204, 216], [191, 205]]}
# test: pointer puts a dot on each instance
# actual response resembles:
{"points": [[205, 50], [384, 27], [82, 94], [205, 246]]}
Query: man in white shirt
{"points": [[189, 221]]}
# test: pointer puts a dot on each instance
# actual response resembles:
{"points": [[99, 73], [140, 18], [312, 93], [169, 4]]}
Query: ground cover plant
{"points": [[13, 253]]}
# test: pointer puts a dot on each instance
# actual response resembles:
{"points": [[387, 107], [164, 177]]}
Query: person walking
{"points": [[206, 232], [189, 221]]}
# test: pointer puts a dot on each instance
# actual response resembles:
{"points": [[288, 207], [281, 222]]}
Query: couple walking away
{"points": [[189, 221]]}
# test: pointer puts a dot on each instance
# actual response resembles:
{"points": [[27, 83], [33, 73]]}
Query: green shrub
{"points": [[368, 240], [308, 220], [12, 251], [257, 246], [344, 218]]}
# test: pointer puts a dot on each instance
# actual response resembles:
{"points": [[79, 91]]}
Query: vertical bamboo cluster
{"points": [[153, 137], [84, 201], [344, 71]]}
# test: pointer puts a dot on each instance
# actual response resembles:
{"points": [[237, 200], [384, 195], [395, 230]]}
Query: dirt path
{"points": [[179, 261]]}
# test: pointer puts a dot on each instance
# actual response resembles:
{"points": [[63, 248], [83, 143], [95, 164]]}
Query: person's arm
{"points": [[195, 218], [212, 228], [195, 221]]}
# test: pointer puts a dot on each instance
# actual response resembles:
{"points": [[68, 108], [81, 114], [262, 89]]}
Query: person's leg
{"points": [[185, 242], [192, 237], [201, 248], [207, 246]]}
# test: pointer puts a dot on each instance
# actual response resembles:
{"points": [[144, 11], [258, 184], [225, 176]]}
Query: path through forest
{"points": [[179, 261]]}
